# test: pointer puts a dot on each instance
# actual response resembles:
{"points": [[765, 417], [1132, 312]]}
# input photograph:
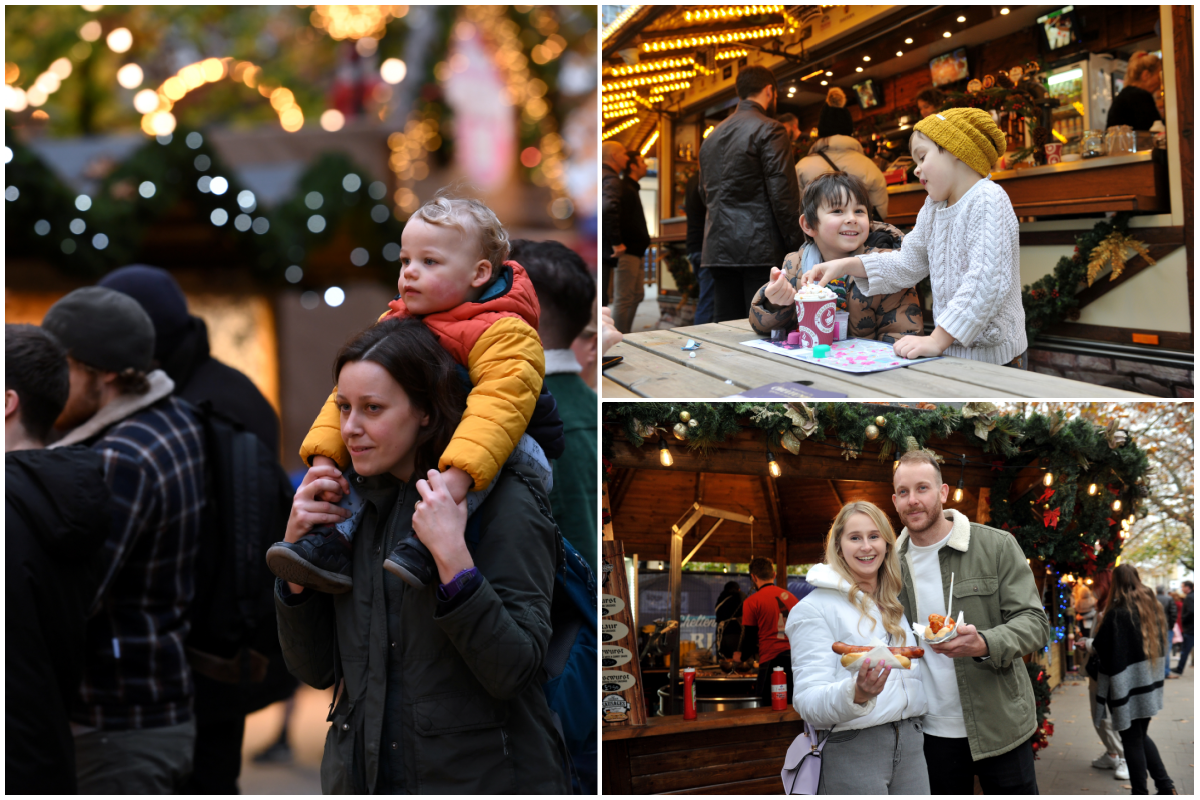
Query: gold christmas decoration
{"points": [[1111, 249], [681, 432], [872, 432], [693, 424], [881, 421], [684, 416]]}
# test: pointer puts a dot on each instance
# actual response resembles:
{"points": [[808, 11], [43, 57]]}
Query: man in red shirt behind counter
{"points": [[763, 616]]}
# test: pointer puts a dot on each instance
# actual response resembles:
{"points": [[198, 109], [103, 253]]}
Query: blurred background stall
{"points": [[268, 156]]}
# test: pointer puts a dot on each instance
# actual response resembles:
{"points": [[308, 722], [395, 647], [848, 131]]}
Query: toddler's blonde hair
{"points": [[461, 212]]}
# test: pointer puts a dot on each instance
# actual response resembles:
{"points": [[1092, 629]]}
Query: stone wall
{"points": [[1118, 373]]}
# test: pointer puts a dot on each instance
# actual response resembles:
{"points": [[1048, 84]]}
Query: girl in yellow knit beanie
{"points": [[965, 240]]}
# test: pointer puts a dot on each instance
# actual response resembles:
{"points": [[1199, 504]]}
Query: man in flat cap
{"points": [[133, 723]]}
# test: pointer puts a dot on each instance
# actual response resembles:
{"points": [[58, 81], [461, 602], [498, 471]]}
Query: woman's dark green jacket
{"points": [[435, 704]]}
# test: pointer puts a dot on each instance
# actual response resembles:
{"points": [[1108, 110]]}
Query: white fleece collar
{"points": [[558, 361], [124, 406], [960, 534]]}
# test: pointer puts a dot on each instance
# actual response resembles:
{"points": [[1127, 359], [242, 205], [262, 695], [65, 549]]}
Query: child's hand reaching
{"points": [[780, 291], [327, 496], [923, 346], [826, 271], [458, 483]]}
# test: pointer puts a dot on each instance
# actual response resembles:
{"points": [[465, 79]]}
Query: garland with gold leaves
{"points": [[1052, 299]]}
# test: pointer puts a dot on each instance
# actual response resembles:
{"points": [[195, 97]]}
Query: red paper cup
{"points": [[816, 321], [1054, 152]]}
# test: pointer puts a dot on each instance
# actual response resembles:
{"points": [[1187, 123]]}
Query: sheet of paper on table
{"points": [[849, 355]]}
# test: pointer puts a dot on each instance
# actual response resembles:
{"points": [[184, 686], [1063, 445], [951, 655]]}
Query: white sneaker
{"points": [[1122, 773], [1106, 761]]}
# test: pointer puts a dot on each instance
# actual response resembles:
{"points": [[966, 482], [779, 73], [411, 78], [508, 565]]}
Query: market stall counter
{"points": [[1135, 182], [719, 752]]}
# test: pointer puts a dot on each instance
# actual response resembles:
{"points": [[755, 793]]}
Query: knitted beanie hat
{"points": [[969, 133]]}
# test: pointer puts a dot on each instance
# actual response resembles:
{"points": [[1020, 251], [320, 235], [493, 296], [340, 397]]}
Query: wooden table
{"points": [[719, 752], [655, 366]]}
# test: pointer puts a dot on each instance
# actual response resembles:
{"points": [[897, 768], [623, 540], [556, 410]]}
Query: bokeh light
{"points": [[334, 296], [359, 256], [219, 185], [332, 120], [147, 189], [130, 76], [393, 70], [119, 40]]}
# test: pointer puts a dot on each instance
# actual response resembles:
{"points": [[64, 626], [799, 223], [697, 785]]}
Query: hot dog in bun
{"points": [[851, 653]]}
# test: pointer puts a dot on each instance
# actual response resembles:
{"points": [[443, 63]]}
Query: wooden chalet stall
{"points": [[670, 74], [788, 516]]}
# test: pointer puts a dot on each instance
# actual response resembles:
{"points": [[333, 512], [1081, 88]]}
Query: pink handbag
{"points": [[802, 765]]}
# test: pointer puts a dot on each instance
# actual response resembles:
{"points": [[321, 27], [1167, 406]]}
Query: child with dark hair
{"points": [[456, 278], [835, 219]]}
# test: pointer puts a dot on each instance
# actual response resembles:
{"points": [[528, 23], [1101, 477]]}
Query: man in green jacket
{"points": [[981, 708]]}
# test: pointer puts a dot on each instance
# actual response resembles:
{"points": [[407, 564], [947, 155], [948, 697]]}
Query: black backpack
{"points": [[248, 498]]}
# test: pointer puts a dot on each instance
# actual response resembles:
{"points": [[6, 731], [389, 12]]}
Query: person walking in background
{"points": [[1113, 756], [873, 719], [629, 283], [836, 150], [1127, 654], [1185, 624], [55, 521], [567, 295], [623, 288], [696, 217], [133, 720], [764, 614], [1169, 611], [181, 349], [750, 192]]}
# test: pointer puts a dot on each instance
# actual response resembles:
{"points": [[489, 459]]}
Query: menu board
{"points": [[621, 701]]}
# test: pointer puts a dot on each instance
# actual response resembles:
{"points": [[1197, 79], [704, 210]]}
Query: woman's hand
{"points": [[870, 680], [309, 512], [440, 524], [779, 288]]}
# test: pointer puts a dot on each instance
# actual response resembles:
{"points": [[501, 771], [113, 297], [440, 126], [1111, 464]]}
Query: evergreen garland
{"points": [[1041, 702], [1052, 299], [1062, 524]]}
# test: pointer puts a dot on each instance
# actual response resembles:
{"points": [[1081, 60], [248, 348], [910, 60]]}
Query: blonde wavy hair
{"points": [[1140, 63], [468, 216], [886, 597]]}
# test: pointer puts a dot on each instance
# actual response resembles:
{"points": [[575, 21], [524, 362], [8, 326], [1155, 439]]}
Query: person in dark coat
{"points": [[181, 349], [749, 187], [55, 519], [442, 690], [696, 216], [729, 619], [1135, 105], [613, 162], [1185, 626]]}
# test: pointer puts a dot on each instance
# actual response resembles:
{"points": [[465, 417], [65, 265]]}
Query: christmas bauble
{"points": [[872, 432], [684, 416], [681, 431], [881, 421], [693, 424]]}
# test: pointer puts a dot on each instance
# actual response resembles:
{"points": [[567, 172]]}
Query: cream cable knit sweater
{"points": [[971, 252]]}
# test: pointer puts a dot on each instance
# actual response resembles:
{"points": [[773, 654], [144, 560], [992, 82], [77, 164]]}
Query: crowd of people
{"points": [[461, 434], [965, 709]]}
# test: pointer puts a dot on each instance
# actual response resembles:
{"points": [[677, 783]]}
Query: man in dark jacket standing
{"points": [[133, 723], [623, 286], [55, 519], [1185, 624], [693, 205], [749, 188], [181, 349]]}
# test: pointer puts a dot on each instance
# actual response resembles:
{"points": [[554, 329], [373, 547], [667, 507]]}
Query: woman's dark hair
{"points": [[832, 189], [933, 97], [1128, 592], [411, 354]]}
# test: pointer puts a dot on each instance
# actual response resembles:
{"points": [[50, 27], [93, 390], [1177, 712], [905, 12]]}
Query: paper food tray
{"points": [[880, 651], [919, 631]]}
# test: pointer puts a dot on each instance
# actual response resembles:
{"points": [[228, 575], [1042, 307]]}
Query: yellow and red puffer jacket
{"points": [[496, 340]]}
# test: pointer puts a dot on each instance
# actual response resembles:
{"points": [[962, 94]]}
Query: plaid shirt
{"points": [[136, 673]]}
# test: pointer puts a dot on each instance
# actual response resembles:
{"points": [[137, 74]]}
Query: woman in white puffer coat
{"points": [[873, 720]]}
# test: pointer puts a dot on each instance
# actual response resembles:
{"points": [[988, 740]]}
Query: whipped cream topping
{"points": [[812, 291]]}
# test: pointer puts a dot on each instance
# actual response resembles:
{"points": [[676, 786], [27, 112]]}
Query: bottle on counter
{"points": [[689, 693], [778, 690]]}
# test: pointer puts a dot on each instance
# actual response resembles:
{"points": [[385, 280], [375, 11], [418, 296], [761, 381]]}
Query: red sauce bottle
{"points": [[689, 693]]}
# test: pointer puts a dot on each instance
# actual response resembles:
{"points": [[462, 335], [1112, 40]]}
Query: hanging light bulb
{"points": [[1092, 489], [664, 455], [1116, 505], [958, 492], [1048, 478], [773, 465]]}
